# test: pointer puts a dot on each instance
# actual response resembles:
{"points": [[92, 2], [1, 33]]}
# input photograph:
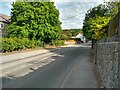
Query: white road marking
{"points": [[62, 86]]}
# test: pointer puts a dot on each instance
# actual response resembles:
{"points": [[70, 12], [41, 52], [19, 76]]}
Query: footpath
{"points": [[27, 54], [22, 55]]}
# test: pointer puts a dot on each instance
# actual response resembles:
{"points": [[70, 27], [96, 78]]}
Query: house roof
{"points": [[78, 36], [4, 18]]}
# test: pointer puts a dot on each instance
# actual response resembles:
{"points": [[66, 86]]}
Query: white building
{"points": [[80, 35]]}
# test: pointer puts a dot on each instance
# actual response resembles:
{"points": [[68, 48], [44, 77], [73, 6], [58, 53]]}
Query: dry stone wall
{"points": [[108, 61]]}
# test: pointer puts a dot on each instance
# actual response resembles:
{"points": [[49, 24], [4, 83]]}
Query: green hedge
{"points": [[16, 44], [57, 43]]}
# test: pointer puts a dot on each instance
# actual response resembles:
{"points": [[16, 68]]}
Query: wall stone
{"points": [[108, 61]]}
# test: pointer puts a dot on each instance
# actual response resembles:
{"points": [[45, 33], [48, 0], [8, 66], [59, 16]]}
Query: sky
{"points": [[72, 12]]}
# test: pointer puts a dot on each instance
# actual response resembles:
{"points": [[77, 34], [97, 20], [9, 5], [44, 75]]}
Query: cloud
{"points": [[67, 9], [72, 13]]}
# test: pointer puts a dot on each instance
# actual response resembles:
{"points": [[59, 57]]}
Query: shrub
{"points": [[38, 43], [18, 44], [13, 44], [58, 43], [24, 43], [5, 45]]}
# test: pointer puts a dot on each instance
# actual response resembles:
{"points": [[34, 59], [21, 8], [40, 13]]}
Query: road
{"points": [[68, 67]]}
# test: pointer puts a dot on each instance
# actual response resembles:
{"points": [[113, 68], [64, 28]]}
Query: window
{"points": [[1, 26]]}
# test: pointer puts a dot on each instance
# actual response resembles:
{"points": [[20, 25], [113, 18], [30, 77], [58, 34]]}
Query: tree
{"points": [[101, 13], [19, 20], [70, 33], [96, 19], [113, 7], [35, 20], [98, 27]]}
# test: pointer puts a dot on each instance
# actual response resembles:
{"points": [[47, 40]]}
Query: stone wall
{"points": [[114, 26], [108, 60]]}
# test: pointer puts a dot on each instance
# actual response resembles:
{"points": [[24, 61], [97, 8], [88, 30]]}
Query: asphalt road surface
{"points": [[68, 67]]}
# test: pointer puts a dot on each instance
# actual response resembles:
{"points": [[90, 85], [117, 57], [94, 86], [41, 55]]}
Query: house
{"points": [[80, 36], [4, 21], [76, 39]]}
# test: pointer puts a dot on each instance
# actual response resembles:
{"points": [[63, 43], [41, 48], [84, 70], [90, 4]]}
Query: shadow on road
{"points": [[60, 60]]}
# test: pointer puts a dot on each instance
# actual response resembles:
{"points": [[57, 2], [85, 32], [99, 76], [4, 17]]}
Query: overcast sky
{"points": [[71, 13]]}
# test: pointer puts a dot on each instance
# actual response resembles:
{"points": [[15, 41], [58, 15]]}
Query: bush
{"points": [[5, 45], [24, 43], [57, 43], [13, 44], [38, 43], [60, 43]]}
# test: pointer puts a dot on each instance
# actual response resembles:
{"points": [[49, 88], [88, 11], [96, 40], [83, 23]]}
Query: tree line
{"points": [[68, 33]]}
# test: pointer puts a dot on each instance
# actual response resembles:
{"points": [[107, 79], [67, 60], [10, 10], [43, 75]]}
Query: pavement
{"points": [[22, 55], [67, 67]]}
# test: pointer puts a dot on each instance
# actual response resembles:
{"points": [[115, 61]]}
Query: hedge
{"points": [[57, 43], [16, 44]]}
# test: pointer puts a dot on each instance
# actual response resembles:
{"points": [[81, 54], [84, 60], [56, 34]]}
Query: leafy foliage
{"points": [[113, 8], [96, 22], [15, 44], [98, 27], [66, 34], [57, 43], [35, 21]]}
